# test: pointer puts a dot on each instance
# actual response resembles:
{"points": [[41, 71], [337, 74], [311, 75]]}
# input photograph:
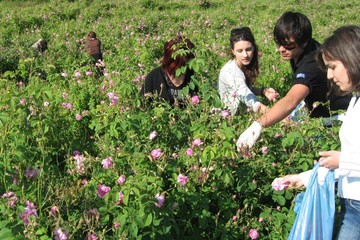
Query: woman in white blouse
{"points": [[237, 76]]}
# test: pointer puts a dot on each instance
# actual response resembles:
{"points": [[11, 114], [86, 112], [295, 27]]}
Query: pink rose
{"points": [[69, 105], [54, 210], [121, 180], [107, 163], [279, 185], [197, 142], [253, 234], [182, 179], [121, 198], [116, 225], [225, 113], [23, 101], [156, 153], [77, 73], [78, 117], [264, 150], [61, 234], [277, 135], [189, 152], [91, 236], [160, 200], [103, 190], [195, 100]]}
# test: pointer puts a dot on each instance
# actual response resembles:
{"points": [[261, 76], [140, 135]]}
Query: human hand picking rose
{"points": [[288, 181], [271, 94], [249, 136], [278, 184]]}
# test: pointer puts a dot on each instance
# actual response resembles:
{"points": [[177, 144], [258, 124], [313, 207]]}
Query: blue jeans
{"points": [[349, 220]]}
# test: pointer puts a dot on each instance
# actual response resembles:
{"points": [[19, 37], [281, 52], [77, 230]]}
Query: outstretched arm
{"points": [[284, 106], [278, 112]]}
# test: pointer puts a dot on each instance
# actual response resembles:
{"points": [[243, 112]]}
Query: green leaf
{"points": [[9, 74], [46, 128], [148, 220], [41, 231], [3, 223], [135, 191], [6, 234], [133, 229], [141, 211], [228, 179], [279, 199], [45, 238], [126, 198], [156, 222]]}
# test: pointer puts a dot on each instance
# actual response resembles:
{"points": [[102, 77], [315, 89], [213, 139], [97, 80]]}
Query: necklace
{"points": [[177, 81]]}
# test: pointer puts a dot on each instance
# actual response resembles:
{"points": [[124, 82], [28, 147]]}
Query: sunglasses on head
{"points": [[238, 31]]}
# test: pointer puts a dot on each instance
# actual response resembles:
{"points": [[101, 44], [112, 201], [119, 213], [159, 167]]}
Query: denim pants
{"points": [[349, 220]]}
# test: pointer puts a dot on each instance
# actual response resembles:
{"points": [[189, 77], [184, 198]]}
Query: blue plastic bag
{"points": [[315, 209]]}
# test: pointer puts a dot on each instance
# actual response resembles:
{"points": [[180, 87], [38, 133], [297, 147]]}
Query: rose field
{"points": [[83, 156]]}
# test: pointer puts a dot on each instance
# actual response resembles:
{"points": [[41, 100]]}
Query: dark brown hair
{"points": [[344, 46], [293, 24], [171, 60], [251, 70], [91, 35]]}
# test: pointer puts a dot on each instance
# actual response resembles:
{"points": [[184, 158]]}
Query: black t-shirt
{"points": [[307, 72], [157, 83]]}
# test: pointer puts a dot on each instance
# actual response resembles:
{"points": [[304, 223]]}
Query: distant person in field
{"points": [[41, 45], [237, 77], [164, 82], [293, 36], [93, 46], [340, 56]]}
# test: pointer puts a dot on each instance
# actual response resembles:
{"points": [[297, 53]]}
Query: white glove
{"points": [[250, 135]]}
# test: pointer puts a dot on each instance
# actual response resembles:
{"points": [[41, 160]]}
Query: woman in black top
{"points": [[163, 82]]}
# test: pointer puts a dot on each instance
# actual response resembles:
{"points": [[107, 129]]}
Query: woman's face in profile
{"points": [[337, 72], [243, 52]]}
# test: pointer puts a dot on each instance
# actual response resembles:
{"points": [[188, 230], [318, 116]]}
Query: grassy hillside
{"points": [[123, 26]]}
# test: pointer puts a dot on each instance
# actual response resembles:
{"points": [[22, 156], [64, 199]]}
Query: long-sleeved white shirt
{"points": [[348, 173], [233, 89]]}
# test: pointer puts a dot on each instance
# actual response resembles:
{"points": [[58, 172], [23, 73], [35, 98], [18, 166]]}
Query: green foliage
{"points": [[57, 126]]}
